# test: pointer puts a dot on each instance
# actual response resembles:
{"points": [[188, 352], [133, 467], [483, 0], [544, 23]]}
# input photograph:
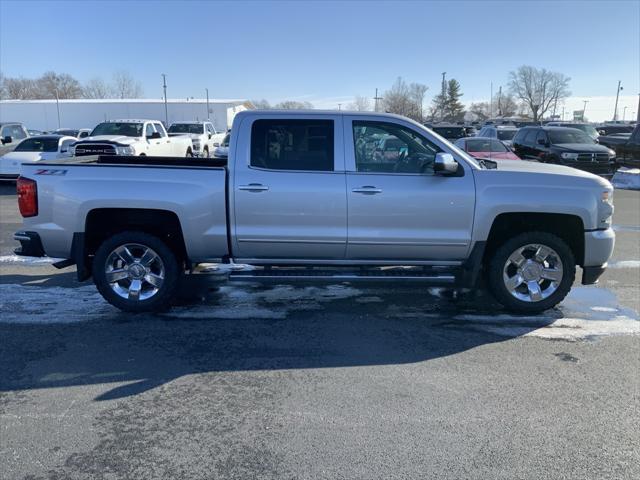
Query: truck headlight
{"points": [[125, 151], [606, 207], [569, 156]]}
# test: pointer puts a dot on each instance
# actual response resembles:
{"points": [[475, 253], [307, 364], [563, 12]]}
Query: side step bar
{"points": [[270, 275]]}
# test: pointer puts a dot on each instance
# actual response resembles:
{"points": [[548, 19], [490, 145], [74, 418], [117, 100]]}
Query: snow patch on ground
{"points": [[26, 304], [587, 312], [626, 228], [627, 178], [21, 260], [624, 264]]}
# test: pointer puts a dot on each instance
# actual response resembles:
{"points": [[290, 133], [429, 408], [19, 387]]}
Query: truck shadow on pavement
{"points": [[232, 328]]}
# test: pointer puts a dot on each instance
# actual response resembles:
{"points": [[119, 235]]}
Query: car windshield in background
{"points": [[569, 136], [506, 134], [588, 129], [70, 133], [450, 132], [118, 128], [38, 145], [187, 128], [485, 145]]}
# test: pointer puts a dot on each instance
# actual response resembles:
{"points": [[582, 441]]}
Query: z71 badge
{"points": [[50, 171]]}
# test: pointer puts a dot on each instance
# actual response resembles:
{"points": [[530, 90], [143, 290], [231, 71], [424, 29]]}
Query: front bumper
{"points": [[598, 168], [590, 275], [598, 247]]}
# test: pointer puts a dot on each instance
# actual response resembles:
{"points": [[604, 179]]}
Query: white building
{"points": [[87, 113]]}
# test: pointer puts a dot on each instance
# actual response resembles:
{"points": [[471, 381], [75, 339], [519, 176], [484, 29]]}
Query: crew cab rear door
{"points": [[288, 183], [398, 209]]}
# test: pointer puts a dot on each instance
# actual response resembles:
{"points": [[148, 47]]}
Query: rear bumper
{"points": [[30, 244]]}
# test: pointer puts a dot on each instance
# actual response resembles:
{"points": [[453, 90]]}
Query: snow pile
{"points": [[624, 264], [627, 178]]}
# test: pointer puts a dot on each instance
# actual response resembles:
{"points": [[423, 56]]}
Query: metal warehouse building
{"points": [[87, 113]]}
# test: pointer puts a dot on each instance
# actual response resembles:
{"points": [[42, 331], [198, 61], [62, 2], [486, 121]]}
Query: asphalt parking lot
{"points": [[320, 381]]}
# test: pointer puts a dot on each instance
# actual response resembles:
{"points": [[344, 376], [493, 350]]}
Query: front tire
{"points": [[136, 272], [205, 152], [532, 272], [189, 153]]}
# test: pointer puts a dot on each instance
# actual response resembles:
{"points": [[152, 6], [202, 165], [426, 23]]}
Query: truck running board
{"points": [[370, 275]]}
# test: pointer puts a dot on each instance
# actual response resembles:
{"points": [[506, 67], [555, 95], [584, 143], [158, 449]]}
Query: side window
{"points": [[210, 129], [160, 129], [64, 147], [541, 137], [530, 138], [4, 131], [148, 130], [17, 132], [292, 145], [391, 148]]}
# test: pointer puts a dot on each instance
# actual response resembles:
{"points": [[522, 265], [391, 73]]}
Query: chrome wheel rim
{"points": [[533, 272], [134, 272]]}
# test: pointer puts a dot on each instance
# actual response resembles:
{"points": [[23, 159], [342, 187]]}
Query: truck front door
{"points": [[288, 198], [398, 208]]}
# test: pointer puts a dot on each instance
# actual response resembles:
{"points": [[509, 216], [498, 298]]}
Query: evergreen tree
{"points": [[453, 108]]}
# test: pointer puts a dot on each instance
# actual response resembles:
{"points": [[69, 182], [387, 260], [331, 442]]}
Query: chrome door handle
{"points": [[367, 189], [254, 187]]}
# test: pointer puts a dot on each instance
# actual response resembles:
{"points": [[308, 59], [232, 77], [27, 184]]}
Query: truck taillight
{"points": [[27, 196]]}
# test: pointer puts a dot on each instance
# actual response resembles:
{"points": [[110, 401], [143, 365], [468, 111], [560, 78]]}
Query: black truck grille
{"points": [[593, 157], [97, 149]]}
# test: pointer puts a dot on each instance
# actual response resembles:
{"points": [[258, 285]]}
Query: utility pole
{"points": [[207, 90], [615, 109], [58, 107], [624, 113], [443, 96], [491, 102], [638, 110], [339, 106], [563, 113], [375, 100], [166, 111], [500, 101], [584, 109]]}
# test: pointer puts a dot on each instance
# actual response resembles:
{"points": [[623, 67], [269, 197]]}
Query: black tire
{"points": [[497, 266], [205, 152], [189, 153], [162, 299]]}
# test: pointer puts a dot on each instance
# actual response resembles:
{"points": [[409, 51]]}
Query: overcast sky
{"points": [[327, 52]]}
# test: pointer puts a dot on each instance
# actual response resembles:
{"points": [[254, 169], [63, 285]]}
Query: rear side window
{"points": [[530, 139], [38, 144], [292, 144]]}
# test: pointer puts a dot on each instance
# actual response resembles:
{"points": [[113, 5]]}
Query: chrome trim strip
{"points": [[269, 240], [356, 262], [417, 244], [345, 277]]}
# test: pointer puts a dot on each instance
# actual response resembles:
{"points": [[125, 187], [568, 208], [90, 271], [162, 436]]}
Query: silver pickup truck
{"points": [[333, 196]]}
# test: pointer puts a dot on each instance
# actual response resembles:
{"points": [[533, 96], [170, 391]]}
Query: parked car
{"points": [[222, 152], [504, 133], [564, 146], [11, 133], [585, 127], [450, 132], [34, 149], [84, 133], [69, 132], [607, 129], [298, 201], [133, 137], [486, 148], [33, 133], [203, 135], [626, 147]]}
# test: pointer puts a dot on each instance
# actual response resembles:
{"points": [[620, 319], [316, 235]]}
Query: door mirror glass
{"points": [[153, 136], [445, 164], [7, 139]]}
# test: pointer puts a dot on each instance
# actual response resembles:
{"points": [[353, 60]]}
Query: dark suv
{"points": [[564, 146]]}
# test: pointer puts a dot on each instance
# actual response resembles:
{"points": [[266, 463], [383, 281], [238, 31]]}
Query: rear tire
{"points": [[205, 152], [136, 272], [189, 153], [532, 272]]}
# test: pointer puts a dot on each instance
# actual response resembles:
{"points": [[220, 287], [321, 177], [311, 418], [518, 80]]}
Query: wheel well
{"points": [[568, 227], [102, 223]]}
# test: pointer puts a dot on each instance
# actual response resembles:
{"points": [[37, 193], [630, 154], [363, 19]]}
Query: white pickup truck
{"points": [[204, 136], [133, 137], [306, 196]]}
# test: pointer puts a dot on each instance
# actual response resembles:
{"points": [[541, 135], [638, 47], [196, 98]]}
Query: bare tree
{"points": [[480, 110], [20, 88], [62, 85], [96, 88], [3, 87], [261, 104], [538, 88], [293, 105], [406, 99], [360, 104], [125, 86]]}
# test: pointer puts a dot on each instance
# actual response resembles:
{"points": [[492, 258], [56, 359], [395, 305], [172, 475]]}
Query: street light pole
{"points": [[58, 107], [207, 90], [584, 109], [624, 113], [166, 111], [615, 109], [375, 101]]}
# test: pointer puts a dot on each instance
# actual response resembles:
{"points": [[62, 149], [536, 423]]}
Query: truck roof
{"points": [[187, 122], [130, 120]]}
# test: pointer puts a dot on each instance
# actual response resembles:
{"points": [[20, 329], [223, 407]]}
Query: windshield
{"points": [[118, 128], [225, 142], [506, 134], [38, 145], [485, 145], [570, 135], [196, 128], [588, 129]]}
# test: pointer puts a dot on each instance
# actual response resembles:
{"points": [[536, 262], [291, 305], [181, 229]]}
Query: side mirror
{"points": [[7, 139], [209, 136], [153, 136], [216, 144], [541, 141], [445, 164], [601, 132]]}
